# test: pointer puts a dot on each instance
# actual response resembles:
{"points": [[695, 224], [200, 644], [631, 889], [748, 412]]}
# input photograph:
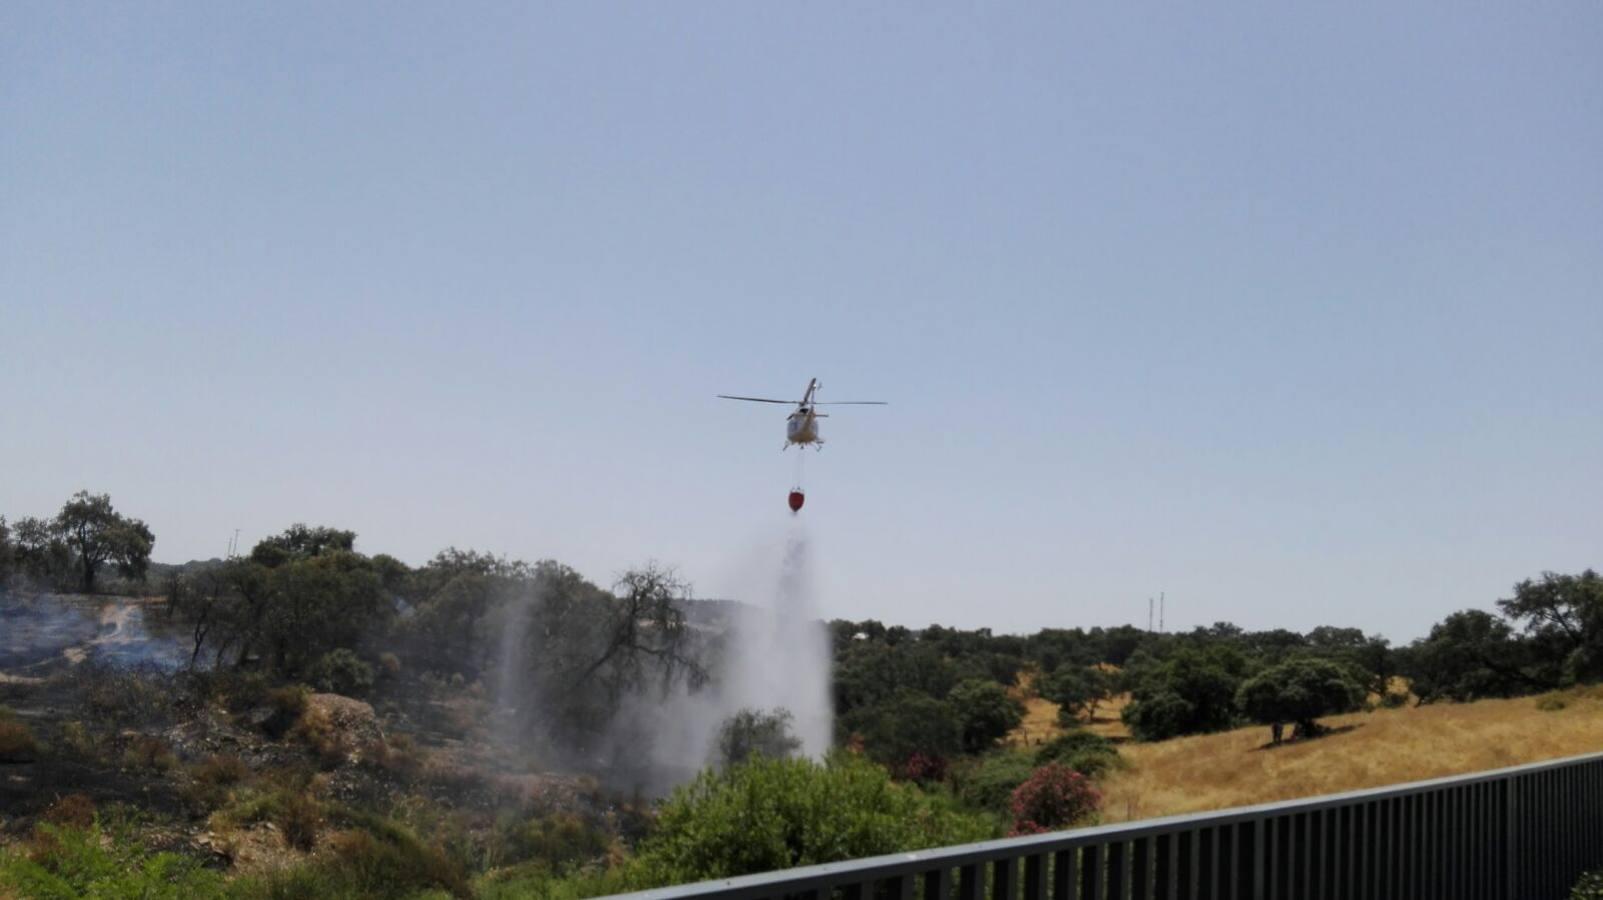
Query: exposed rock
{"points": [[335, 721]]}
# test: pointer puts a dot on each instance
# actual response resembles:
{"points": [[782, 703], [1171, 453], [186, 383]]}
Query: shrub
{"points": [[559, 841], [128, 697], [1551, 703], [149, 754], [239, 691], [922, 769], [298, 817], [536, 881], [73, 810], [1055, 796], [78, 742], [17, 743], [1590, 887], [1394, 699], [770, 814], [342, 672], [397, 755], [989, 783], [1085, 752], [67, 862], [222, 769], [317, 730], [286, 705], [212, 779]]}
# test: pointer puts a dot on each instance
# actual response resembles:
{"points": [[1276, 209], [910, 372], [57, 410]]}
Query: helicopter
{"points": [[801, 426]]}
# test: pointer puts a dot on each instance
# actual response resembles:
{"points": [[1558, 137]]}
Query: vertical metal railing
{"points": [[1525, 833]]}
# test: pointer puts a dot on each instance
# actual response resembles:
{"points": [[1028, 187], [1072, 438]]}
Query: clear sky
{"points": [[1290, 311]]}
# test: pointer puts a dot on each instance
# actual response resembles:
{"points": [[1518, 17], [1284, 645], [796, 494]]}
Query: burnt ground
{"points": [[139, 743]]}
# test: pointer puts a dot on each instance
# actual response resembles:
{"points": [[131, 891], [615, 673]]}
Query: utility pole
{"points": [[1149, 615], [1160, 613]]}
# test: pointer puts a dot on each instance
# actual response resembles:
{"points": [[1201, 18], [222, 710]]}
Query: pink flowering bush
{"points": [[1054, 796]]}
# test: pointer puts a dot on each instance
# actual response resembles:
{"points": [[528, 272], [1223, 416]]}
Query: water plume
{"points": [[780, 656]]}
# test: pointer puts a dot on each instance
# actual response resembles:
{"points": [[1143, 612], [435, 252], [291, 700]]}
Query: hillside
{"points": [[1388, 746]]}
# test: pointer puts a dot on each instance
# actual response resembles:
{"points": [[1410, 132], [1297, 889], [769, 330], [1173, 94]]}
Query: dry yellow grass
{"points": [[1384, 747]]}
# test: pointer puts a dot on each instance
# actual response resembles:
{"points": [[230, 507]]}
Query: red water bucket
{"points": [[796, 500]]}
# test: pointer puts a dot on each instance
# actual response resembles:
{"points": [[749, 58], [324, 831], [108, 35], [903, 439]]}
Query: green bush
{"points": [[67, 863], [371, 857], [558, 841], [988, 782], [536, 882], [1085, 752], [342, 672], [1551, 703], [768, 814], [1590, 887]]}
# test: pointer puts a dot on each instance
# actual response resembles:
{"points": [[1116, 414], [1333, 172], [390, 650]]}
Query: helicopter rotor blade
{"points": [[756, 399], [851, 403]]}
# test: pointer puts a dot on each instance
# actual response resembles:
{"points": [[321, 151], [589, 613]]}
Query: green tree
{"points": [[905, 724], [1077, 690], [1563, 614], [756, 732], [1191, 692], [299, 542], [1300, 691], [40, 552], [868, 672], [1472, 655], [985, 713], [96, 534]]}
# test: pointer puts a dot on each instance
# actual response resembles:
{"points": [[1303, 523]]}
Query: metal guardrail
{"points": [[1523, 833]]}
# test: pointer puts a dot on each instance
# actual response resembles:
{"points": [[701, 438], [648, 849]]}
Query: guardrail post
{"points": [[1511, 836]]}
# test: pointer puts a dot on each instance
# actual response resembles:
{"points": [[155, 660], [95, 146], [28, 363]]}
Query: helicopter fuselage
{"points": [[801, 428]]}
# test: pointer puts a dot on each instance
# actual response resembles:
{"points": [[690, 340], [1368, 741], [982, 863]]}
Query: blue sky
{"points": [[1289, 312]]}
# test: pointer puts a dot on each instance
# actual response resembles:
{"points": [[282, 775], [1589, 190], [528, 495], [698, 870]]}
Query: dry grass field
{"points": [[1041, 716], [1387, 746]]}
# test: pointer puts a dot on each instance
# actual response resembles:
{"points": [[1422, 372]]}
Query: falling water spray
{"points": [[782, 651]]}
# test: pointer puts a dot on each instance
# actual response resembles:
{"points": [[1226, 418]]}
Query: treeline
{"points": [[940, 693], [305, 606]]}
